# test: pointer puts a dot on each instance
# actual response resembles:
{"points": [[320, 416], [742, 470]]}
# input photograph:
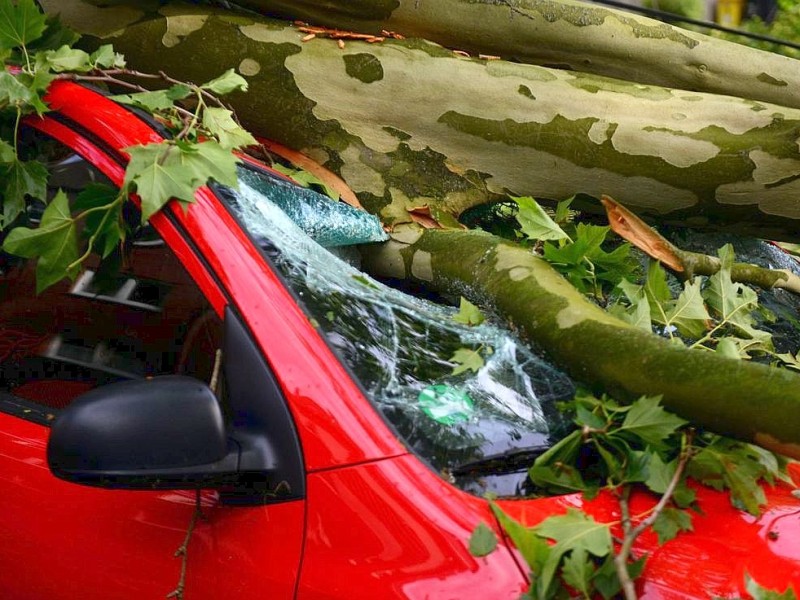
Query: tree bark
{"points": [[408, 123], [750, 401], [567, 34]]}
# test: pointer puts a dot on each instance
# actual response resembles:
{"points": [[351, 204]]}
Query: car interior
{"points": [[148, 318]]}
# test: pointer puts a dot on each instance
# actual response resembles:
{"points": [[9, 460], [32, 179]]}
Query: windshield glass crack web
{"points": [[399, 346]]}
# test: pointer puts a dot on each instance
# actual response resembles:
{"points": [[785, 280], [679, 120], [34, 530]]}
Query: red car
{"points": [[331, 465]]}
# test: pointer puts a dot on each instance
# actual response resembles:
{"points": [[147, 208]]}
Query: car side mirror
{"points": [[161, 433]]}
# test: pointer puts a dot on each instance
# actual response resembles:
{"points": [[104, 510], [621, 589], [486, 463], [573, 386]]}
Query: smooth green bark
{"points": [[750, 401], [407, 123]]}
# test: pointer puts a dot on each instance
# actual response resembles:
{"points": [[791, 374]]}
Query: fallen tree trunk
{"points": [[740, 398], [407, 123], [566, 34]]}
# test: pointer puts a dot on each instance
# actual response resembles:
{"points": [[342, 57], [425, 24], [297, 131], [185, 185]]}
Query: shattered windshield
{"points": [[479, 428]]}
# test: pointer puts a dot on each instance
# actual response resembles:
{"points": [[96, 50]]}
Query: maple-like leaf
{"points": [[158, 175], [54, 242], [226, 83], [21, 179], [21, 23], [483, 540], [648, 421], [670, 522], [573, 531], [219, 122], [467, 360], [535, 223], [468, 313], [688, 314]]}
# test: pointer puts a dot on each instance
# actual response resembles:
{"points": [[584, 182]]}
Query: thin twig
{"points": [[183, 549], [621, 558]]}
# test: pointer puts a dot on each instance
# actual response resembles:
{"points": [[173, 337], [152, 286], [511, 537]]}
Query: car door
{"points": [[59, 540]]}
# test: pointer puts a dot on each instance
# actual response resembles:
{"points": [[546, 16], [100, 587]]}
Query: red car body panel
{"points": [[375, 523]]}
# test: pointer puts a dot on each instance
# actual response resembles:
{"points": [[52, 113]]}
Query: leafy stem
{"points": [[631, 532]]}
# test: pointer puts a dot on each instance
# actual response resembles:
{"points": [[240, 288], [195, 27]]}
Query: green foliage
{"points": [[468, 313], [535, 223], [714, 313], [466, 359], [617, 448], [483, 541], [204, 136], [760, 593], [694, 9], [576, 251], [786, 26]]}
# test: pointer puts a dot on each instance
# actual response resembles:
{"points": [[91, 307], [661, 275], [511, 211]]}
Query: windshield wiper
{"points": [[510, 461]]}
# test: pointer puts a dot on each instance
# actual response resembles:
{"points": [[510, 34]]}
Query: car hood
{"points": [[711, 561]]}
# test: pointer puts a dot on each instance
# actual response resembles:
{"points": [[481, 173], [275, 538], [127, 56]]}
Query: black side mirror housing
{"points": [[161, 433]]}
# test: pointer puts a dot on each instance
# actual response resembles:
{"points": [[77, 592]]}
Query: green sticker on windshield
{"points": [[445, 404]]}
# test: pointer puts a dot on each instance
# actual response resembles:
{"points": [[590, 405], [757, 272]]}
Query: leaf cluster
{"points": [[37, 50], [617, 448], [714, 313], [576, 250]]}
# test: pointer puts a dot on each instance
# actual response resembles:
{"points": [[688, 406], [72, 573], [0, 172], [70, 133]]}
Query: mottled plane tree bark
{"points": [[409, 123]]}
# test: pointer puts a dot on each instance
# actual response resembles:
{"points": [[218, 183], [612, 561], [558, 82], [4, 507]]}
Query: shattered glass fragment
{"points": [[397, 346]]}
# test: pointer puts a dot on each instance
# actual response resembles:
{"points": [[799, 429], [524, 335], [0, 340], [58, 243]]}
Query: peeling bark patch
{"points": [[421, 266], [769, 79], [99, 22], [249, 67], [569, 317], [526, 91], [178, 27], [260, 32], [364, 67], [519, 273]]}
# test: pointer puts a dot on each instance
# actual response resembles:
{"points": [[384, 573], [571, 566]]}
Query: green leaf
{"points": [[562, 210], [54, 242], [21, 179], [105, 58], [468, 313], [535, 223], [733, 302], [208, 160], [103, 222], [656, 289], [728, 348], [660, 474], [219, 122], [157, 173], [761, 593], [670, 522], [307, 179], [573, 531], [534, 549], [648, 421], [64, 59], [689, 314], [156, 100], [578, 571], [55, 35], [16, 90], [226, 83], [20, 23], [638, 311], [483, 541], [467, 360], [7, 152], [606, 580]]}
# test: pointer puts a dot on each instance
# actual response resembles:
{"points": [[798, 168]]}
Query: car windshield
{"points": [[480, 428]]}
